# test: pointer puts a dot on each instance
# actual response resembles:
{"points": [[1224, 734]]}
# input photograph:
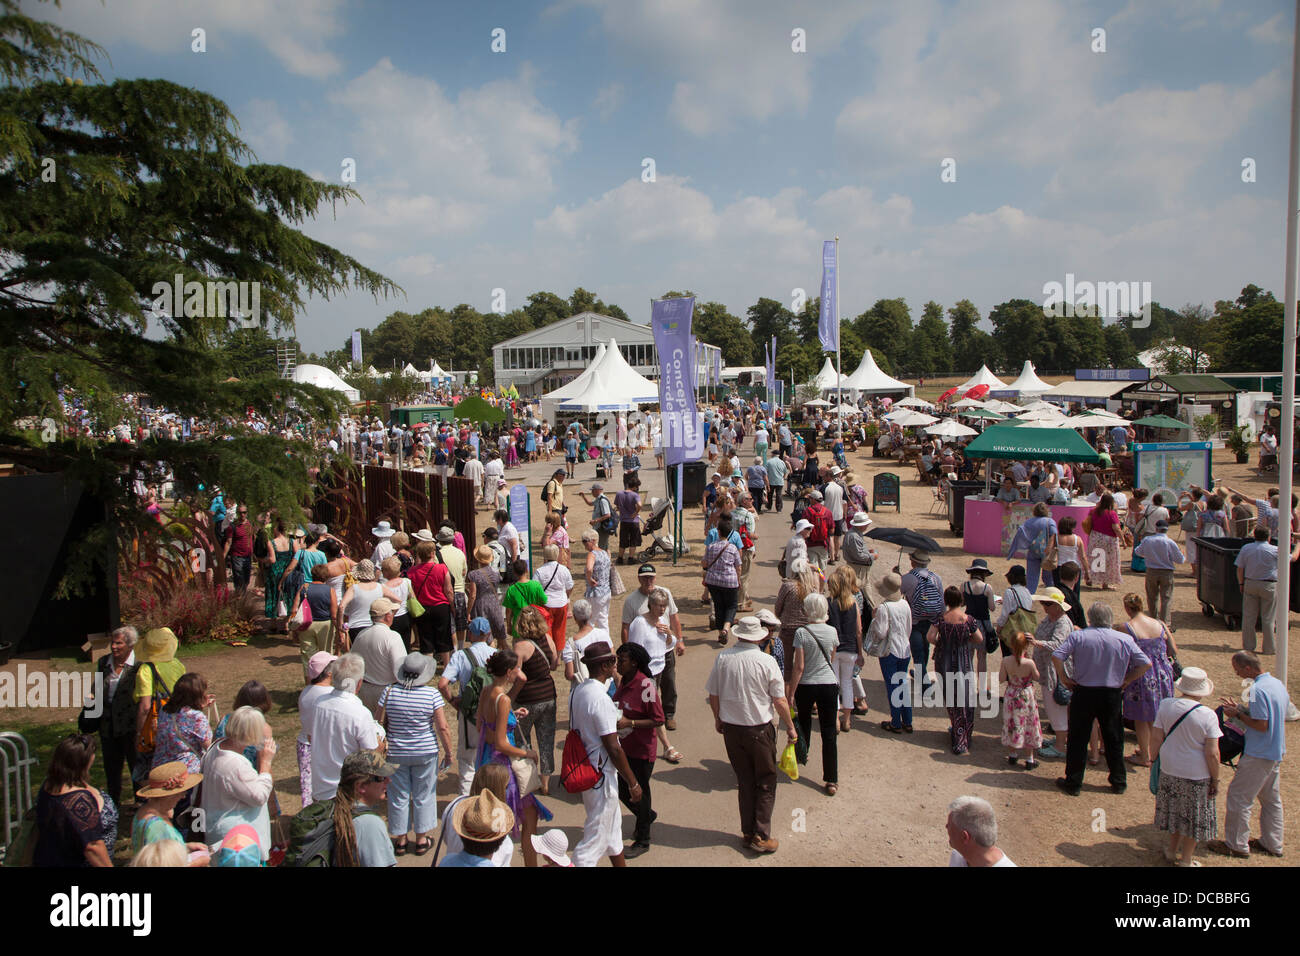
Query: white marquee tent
{"points": [[322, 377], [826, 379], [867, 378], [613, 385], [982, 377], [1028, 383]]}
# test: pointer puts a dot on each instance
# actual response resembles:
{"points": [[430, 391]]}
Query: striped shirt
{"points": [[409, 718]]}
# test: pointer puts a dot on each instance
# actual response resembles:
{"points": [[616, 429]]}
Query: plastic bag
{"points": [[788, 764]]}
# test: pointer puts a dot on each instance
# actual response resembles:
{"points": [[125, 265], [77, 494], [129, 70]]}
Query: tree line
{"points": [[1241, 334]]}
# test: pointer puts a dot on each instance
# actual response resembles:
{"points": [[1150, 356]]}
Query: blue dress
{"points": [[487, 753], [1143, 697]]}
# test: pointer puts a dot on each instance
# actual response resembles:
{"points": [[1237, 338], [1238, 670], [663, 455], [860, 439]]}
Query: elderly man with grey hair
{"points": [[973, 834], [341, 725], [115, 704], [1106, 661]]}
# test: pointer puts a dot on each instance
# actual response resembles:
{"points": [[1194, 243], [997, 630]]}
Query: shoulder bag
{"points": [[1154, 784]]}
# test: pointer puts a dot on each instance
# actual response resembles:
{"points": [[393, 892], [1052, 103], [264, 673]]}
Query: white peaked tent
{"points": [[613, 385], [373, 372], [982, 377], [1028, 383], [410, 371], [867, 378], [322, 377], [826, 379], [437, 374], [579, 383]]}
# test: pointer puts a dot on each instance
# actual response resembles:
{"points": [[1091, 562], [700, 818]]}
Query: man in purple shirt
{"points": [[1106, 661]]}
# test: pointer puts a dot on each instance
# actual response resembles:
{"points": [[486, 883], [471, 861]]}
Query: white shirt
{"points": [[556, 581], [593, 715], [460, 670], [1183, 753], [834, 499], [956, 859], [796, 547], [573, 648], [383, 650], [494, 468], [307, 701], [746, 681], [341, 726], [892, 618], [509, 533], [234, 793], [382, 551], [473, 470], [636, 602], [642, 632]]}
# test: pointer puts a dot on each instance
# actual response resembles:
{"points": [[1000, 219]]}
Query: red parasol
{"points": [[948, 394], [979, 391]]}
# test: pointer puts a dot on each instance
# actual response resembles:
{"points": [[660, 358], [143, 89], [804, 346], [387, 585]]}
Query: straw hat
{"points": [[174, 773], [1051, 596], [483, 818], [156, 647], [365, 570]]}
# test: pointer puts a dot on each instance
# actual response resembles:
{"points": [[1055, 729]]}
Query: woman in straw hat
{"points": [[1184, 738], [167, 784], [158, 669]]}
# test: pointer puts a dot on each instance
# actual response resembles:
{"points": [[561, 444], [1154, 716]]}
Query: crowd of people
{"points": [[428, 637]]}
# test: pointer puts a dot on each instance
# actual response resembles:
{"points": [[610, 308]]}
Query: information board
{"points": [[884, 492]]}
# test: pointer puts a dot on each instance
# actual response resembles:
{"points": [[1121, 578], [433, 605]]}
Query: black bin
{"points": [[1216, 578], [693, 481], [957, 493]]}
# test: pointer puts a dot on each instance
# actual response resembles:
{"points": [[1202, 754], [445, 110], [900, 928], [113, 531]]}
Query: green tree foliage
{"points": [[715, 325], [1120, 351], [768, 317], [1159, 331], [1249, 331], [1019, 331], [887, 328], [930, 353], [149, 182]]}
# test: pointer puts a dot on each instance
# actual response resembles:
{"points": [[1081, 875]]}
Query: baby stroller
{"points": [[660, 508]]}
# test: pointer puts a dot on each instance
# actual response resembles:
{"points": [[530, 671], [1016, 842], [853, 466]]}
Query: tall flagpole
{"points": [[839, 373], [1286, 451]]}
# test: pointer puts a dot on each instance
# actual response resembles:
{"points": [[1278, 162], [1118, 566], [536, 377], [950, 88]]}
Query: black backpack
{"points": [[1232, 743]]}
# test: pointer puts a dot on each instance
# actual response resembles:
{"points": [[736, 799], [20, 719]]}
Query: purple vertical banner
{"points": [[670, 321], [520, 516], [356, 347], [828, 322]]}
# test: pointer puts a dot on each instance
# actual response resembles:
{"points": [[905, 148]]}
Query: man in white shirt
{"points": [[973, 834], [460, 668], [746, 690], [383, 651], [473, 470], [594, 717], [494, 469], [507, 534], [833, 499], [340, 726]]}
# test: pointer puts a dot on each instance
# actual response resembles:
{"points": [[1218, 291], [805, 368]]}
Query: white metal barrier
{"points": [[16, 764]]}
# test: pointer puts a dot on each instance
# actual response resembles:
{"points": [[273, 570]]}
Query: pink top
{"points": [[1107, 523]]}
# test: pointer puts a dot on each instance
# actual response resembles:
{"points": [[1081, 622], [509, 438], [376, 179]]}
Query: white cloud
{"points": [[730, 59], [1272, 30], [495, 142], [419, 264], [297, 34]]}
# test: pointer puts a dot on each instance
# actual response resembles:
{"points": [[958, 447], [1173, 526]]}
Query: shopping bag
{"points": [[788, 764]]}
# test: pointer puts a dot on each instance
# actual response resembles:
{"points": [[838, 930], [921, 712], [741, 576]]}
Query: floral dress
{"points": [[1142, 697], [954, 665], [486, 602], [1021, 728], [183, 736], [274, 575]]}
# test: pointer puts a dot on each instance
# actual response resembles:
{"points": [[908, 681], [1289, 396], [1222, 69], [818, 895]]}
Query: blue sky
{"points": [[522, 170]]}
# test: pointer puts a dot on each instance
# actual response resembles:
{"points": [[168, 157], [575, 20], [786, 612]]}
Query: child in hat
{"points": [[978, 599]]}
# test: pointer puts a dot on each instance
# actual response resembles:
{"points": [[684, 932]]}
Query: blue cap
{"points": [[480, 625]]}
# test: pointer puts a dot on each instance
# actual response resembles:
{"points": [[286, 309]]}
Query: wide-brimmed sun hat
{"points": [[1051, 596], [860, 520], [382, 530], [177, 775], [1194, 682], [749, 629], [891, 585], [156, 647], [483, 818], [416, 670], [553, 845], [365, 570]]}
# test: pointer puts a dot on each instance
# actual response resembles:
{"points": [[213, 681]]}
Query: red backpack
{"points": [[576, 772]]}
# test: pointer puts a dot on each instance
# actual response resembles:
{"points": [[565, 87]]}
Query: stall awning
{"points": [[1028, 443], [1084, 391]]}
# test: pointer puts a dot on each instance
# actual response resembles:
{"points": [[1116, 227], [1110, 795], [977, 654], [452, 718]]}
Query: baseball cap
{"points": [[368, 762], [1162, 525], [317, 664], [480, 625], [645, 570]]}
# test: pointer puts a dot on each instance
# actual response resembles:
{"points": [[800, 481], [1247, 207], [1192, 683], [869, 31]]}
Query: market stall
{"points": [[989, 525]]}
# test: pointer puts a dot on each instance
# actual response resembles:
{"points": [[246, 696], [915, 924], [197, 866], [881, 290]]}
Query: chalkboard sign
{"points": [[884, 491]]}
